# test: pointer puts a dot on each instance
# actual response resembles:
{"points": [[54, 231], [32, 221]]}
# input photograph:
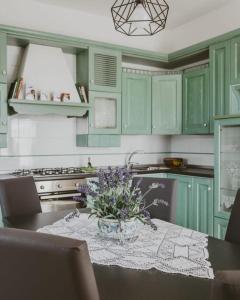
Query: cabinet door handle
{"points": [[189, 186], [125, 126], [91, 81], [205, 125], [209, 189], [4, 72], [154, 127]]}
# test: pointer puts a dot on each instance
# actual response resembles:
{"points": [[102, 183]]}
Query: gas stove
{"points": [[48, 172]]}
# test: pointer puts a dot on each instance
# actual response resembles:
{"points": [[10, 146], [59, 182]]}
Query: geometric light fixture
{"points": [[139, 17]]}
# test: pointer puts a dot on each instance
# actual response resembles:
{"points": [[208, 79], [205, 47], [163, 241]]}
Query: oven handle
{"points": [[59, 196]]}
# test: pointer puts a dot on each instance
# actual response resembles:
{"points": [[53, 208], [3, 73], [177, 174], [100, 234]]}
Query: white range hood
{"points": [[45, 69]]}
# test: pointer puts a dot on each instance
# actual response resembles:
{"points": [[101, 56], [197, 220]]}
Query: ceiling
{"points": [[181, 11]]}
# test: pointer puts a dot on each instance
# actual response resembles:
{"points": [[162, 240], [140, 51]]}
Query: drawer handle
{"points": [[205, 125], [4, 72]]}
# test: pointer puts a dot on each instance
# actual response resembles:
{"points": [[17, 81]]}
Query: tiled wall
{"points": [[49, 141], [197, 149]]}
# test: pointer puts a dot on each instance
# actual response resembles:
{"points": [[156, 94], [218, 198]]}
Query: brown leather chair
{"points": [[233, 229], [165, 193], [226, 286], [18, 196], [37, 266]]}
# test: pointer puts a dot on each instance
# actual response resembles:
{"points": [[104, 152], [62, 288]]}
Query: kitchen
{"points": [[160, 100]]}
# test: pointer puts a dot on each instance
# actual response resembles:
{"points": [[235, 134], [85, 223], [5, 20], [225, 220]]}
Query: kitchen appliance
{"points": [[57, 187]]}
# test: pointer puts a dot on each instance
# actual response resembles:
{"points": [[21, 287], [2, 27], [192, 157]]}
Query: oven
{"points": [[57, 188]]}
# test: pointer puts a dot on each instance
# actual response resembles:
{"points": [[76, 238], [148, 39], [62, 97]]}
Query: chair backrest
{"points": [[37, 266], [18, 196], [226, 286], [165, 194], [233, 229]]}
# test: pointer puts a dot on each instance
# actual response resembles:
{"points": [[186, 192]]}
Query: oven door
{"points": [[56, 202]]}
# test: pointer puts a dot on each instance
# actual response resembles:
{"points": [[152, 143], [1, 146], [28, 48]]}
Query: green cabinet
{"points": [[235, 61], [194, 203], [105, 113], [3, 58], [184, 200], [3, 108], [99, 69], [220, 228], [203, 205], [167, 104], [219, 79], [136, 103], [196, 102]]}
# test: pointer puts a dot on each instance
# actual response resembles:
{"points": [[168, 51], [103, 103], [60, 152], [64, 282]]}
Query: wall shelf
{"points": [[33, 107]]}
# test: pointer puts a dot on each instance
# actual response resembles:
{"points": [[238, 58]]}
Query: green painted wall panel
{"points": [[167, 104], [136, 104], [196, 102]]}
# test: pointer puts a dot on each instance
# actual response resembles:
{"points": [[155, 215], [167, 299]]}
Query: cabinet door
{"points": [[220, 228], [219, 79], [3, 58], [105, 113], [203, 205], [136, 104], [184, 200], [235, 61], [167, 104], [196, 102], [3, 108], [104, 70]]}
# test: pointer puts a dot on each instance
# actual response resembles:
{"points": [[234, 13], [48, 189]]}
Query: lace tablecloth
{"points": [[171, 248]]}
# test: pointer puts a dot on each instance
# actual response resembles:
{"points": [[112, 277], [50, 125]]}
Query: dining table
{"points": [[118, 283]]}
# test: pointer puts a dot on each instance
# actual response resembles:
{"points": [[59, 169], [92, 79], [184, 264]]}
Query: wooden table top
{"points": [[116, 283]]}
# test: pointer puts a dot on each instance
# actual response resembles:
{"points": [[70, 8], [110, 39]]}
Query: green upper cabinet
{"points": [[3, 108], [203, 211], [3, 58], [105, 113], [167, 104], [235, 61], [136, 103], [219, 79], [196, 102], [220, 228]]}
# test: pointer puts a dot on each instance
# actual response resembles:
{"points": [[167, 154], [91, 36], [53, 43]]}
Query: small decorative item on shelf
{"points": [[65, 97], [30, 92], [16, 89], [118, 205], [54, 96], [82, 93]]}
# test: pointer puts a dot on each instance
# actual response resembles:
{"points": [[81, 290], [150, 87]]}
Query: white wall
{"points": [[39, 16]]}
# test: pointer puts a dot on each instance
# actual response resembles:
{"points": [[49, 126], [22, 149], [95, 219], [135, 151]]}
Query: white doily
{"points": [[172, 249]]}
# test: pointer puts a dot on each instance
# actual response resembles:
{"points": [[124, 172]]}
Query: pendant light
{"points": [[139, 17]]}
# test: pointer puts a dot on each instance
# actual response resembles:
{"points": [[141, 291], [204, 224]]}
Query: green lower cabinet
{"points": [[184, 200], [167, 104], [194, 203], [220, 228], [136, 104], [203, 210], [196, 115]]}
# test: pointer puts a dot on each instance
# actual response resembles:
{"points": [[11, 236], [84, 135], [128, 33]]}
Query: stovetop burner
{"points": [[48, 171]]}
